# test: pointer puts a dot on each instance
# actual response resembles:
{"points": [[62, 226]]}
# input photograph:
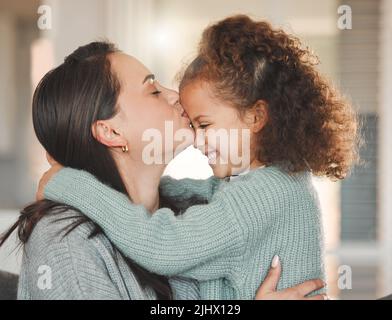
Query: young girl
{"points": [[251, 78]]}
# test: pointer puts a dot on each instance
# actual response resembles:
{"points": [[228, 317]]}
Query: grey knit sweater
{"points": [[227, 244], [74, 267]]}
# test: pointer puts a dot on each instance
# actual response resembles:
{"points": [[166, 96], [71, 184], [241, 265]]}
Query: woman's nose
{"points": [[173, 98]]}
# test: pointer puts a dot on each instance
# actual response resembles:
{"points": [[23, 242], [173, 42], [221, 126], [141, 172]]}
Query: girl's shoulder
{"points": [[279, 176], [267, 189]]}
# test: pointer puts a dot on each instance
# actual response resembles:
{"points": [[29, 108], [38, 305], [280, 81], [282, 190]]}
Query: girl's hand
{"points": [[55, 167], [267, 290]]}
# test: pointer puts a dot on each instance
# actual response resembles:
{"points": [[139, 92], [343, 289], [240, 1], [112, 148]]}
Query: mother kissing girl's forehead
{"points": [[90, 114]]}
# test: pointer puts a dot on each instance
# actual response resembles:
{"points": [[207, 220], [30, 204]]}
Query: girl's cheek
{"points": [[209, 141]]}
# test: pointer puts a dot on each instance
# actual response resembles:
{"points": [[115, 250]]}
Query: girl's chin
{"points": [[220, 171]]}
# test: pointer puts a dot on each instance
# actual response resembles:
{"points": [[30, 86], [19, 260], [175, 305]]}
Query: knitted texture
{"points": [[56, 266], [227, 244], [187, 188]]}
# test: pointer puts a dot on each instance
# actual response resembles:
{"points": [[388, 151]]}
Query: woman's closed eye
{"points": [[156, 92], [155, 88], [203, 125]]}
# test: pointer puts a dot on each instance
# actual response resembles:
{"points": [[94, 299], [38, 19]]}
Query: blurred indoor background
{"points": [[163, 34]]}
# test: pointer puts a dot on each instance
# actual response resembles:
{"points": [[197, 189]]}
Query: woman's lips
{"points": [[184, 114], [186, 121]]}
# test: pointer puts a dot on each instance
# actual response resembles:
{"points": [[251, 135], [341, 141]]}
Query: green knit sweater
{"points": [[227, 244]]}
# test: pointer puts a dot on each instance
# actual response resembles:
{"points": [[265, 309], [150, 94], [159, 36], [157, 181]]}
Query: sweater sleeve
{"points": [[200, 244], [185, 189]]}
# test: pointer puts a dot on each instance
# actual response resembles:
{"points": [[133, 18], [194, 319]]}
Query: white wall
{"points": [[75, 23]]}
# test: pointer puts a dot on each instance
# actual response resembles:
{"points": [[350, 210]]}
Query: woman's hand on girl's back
{"points": [[267, 289]]}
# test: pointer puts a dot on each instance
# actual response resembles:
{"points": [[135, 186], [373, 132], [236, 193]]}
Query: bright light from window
{"points": [[163, 39]]}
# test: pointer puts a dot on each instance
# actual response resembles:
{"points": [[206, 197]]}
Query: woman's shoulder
{"points": [[66, 234], [63, 248], [54, 226]]}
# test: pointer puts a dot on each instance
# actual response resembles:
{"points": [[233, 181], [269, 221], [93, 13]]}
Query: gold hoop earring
{"points": [[124, 149]]}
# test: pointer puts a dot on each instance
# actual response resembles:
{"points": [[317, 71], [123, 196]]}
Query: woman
{"points": [[90, 113]]}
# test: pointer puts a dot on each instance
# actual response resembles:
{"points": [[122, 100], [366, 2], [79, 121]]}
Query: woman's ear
{"points": [[104, 133], [257, 116]]}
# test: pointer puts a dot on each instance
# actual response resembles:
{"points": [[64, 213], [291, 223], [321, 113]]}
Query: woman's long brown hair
{"points": [[66, 103]]}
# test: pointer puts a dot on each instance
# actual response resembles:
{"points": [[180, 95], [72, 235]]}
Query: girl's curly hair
{"points": [[310, 125]]}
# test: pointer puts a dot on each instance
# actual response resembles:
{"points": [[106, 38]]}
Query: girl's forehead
{"points": [[199, 94]]}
